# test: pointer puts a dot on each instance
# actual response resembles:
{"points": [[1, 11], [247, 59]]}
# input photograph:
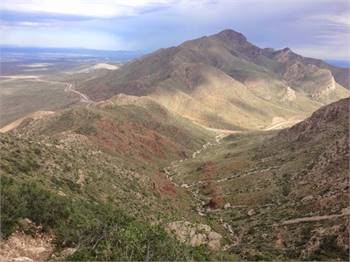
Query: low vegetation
{"points": [[98, 230]]}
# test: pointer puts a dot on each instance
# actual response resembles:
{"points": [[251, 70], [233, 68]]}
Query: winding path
{"points": [[83, 98], [68, 89]]}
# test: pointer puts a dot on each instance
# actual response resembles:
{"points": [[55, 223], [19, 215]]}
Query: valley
{"points": [[25, 94], [215, 149]]}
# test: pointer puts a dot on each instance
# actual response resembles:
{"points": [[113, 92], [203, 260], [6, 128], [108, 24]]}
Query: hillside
{"points": [[279, 195], [135, 129], [270, 195], [85, 205], [224, 81], [98, 169]]}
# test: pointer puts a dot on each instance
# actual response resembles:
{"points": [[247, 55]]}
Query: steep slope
{"points": [[86, 205], [279, 195], [224, 81], [327, 122]]}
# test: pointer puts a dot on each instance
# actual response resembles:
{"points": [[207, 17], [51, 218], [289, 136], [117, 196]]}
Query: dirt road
{"points": [[83, 98]]}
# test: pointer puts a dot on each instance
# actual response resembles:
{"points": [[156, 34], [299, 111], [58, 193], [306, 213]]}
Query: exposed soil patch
{"points": [[209, 171], [23, 247], [165, 186]]}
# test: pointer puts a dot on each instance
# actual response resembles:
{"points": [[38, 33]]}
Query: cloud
{"points": [[28, 23], [324, 52], [336, 20], [89, 8], [329, 34], [318, 28]]}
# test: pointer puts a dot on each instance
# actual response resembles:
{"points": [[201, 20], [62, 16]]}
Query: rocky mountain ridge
{"points": [[224, 81]]}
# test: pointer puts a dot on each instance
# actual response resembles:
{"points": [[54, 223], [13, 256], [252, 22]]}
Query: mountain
{"points": [[224, 81]]}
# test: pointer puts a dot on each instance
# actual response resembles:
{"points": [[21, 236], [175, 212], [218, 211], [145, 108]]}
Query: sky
{"points": [[315, 28]]}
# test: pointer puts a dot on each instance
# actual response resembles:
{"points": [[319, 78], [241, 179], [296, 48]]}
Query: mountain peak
{"points": [[231, 35]]}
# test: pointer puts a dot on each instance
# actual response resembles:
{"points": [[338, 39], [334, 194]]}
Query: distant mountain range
{"points": [[339, 63], [121, 55]]}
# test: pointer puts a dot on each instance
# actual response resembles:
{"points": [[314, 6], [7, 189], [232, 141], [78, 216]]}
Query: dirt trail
{"points": [[280, 123], [170, 171], [345, 212], [221, 132]]}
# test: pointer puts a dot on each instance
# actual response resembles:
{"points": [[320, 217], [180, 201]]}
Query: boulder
{"points": [[214, 245], [197, 240], [214, 236]]}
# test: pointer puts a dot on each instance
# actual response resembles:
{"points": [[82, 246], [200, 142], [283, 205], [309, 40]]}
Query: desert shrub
{"points": [[87, 129], [19, 162], [330, 250], [99, 230], [12, 206], [28, 200]]}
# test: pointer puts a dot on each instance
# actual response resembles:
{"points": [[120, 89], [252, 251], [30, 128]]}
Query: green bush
{"points": [[100, 231], [28, 200]]}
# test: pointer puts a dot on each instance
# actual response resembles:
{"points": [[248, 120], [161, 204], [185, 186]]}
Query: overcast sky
{"points": [[316, 28]]}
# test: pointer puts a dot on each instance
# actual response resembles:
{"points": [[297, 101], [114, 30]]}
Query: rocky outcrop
{"points": [[195, 234], [289, 95], [329, 121]]}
